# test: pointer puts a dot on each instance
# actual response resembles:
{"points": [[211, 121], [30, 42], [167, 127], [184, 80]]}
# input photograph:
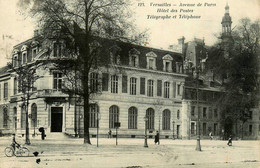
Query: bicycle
{"points": [[20, 151]]}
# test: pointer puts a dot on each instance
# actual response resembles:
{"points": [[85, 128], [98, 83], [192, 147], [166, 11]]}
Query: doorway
{"points": [[228, 127], [178, 131], [56, 119]]}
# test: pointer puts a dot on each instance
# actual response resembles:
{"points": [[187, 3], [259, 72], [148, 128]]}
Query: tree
{"points": [[26, 77], [83, 26], [239, 72]]}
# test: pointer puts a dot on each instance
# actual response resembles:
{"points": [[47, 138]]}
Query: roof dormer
{"points": [[167, 63], [134, 57], [24, 54], [115, 54], [151, 60]]}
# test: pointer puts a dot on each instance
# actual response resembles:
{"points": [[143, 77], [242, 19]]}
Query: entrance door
{"points": [[56, 119], [178, 131]]}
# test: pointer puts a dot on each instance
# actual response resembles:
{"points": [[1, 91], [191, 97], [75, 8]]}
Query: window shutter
{"points": [[174, 89], [159, 87], [142, 86], [105, 82], [124, 84]]}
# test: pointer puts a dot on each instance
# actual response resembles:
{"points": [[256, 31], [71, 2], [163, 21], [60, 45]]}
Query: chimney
{"points": [[181, 40]]}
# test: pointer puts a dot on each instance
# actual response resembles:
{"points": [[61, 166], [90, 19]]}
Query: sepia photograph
{"points": [[129, 84]]}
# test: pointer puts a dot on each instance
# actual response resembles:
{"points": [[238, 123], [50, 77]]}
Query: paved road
{"points": [[131, 153]]}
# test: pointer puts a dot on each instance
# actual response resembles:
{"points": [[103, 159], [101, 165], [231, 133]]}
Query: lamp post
{"points": [[198, 147], [173, 129], [145, 137], [98, 118]]}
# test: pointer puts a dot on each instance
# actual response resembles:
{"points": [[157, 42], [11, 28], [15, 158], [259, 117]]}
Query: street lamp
{"points": [[98, 118], [198, 147], [173, 129], [145, 137]]}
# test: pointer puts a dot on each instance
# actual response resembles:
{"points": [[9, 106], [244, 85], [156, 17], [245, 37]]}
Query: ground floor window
{"points": [[204, 128], [93, 115], [250, 129], [6, 118], [150, 117], [192, 129], [23, 117], [166, 120], [113, 116], [34, 115], [132, 118]]}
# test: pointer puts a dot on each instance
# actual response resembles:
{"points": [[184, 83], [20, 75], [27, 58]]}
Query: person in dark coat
{"points": [[157, 138], [41, 129], [229, 141], [109, 134]]}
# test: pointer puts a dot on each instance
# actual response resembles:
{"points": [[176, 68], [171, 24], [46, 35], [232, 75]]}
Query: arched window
{"points": [[132, 118], [166, 120], [34, 115], [15, 118], [93, 115], [150, 117], [23, 117], [113, 116], [5, 116]]}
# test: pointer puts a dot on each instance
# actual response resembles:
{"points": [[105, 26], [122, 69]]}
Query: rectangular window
{"points": [[250, 115], [210, 113], [105, 77], [159, 87], [114, 84], [94, 82], [204, 129], [178, 89], [133, 86], [216, 113], [56, 49], [151, 62], [57, 81], [204, 112], [166, 90], [0, 92], [192, 111], [34, 53], [250, 129], [192, 128], [124, 84], [15, 86], [174, 89], [24, 55], [5, 90], [142, 86], [15, 61], [134, 61], [215, 128], [178, 114], [150, 88], [167, 66]]}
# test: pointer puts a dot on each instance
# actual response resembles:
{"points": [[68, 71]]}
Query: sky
{"points": [[14, 28]]}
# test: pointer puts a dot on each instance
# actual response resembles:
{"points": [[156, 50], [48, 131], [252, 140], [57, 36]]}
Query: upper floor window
{"points": [[56, 49], [133, 86], [166, 89], [57, 80], [34, 53], [250, 115], [216, 113], [115, 54], [192, 110], [134, 57], [167, 63], [178, 114], [151, 60], [15, 57], [24, 54], [179, 89], [5, 90], [94, 82], [150, 88], [15, 86], [204, 112], [114, 84]]}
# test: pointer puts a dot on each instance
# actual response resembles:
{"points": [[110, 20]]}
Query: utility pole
{"points": [[198, 147]]}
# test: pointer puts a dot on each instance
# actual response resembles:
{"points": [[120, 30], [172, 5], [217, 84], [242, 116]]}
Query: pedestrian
{"points": [[109, 134], [229, 141], [41, 129], [157, 138], [210, 136]]}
